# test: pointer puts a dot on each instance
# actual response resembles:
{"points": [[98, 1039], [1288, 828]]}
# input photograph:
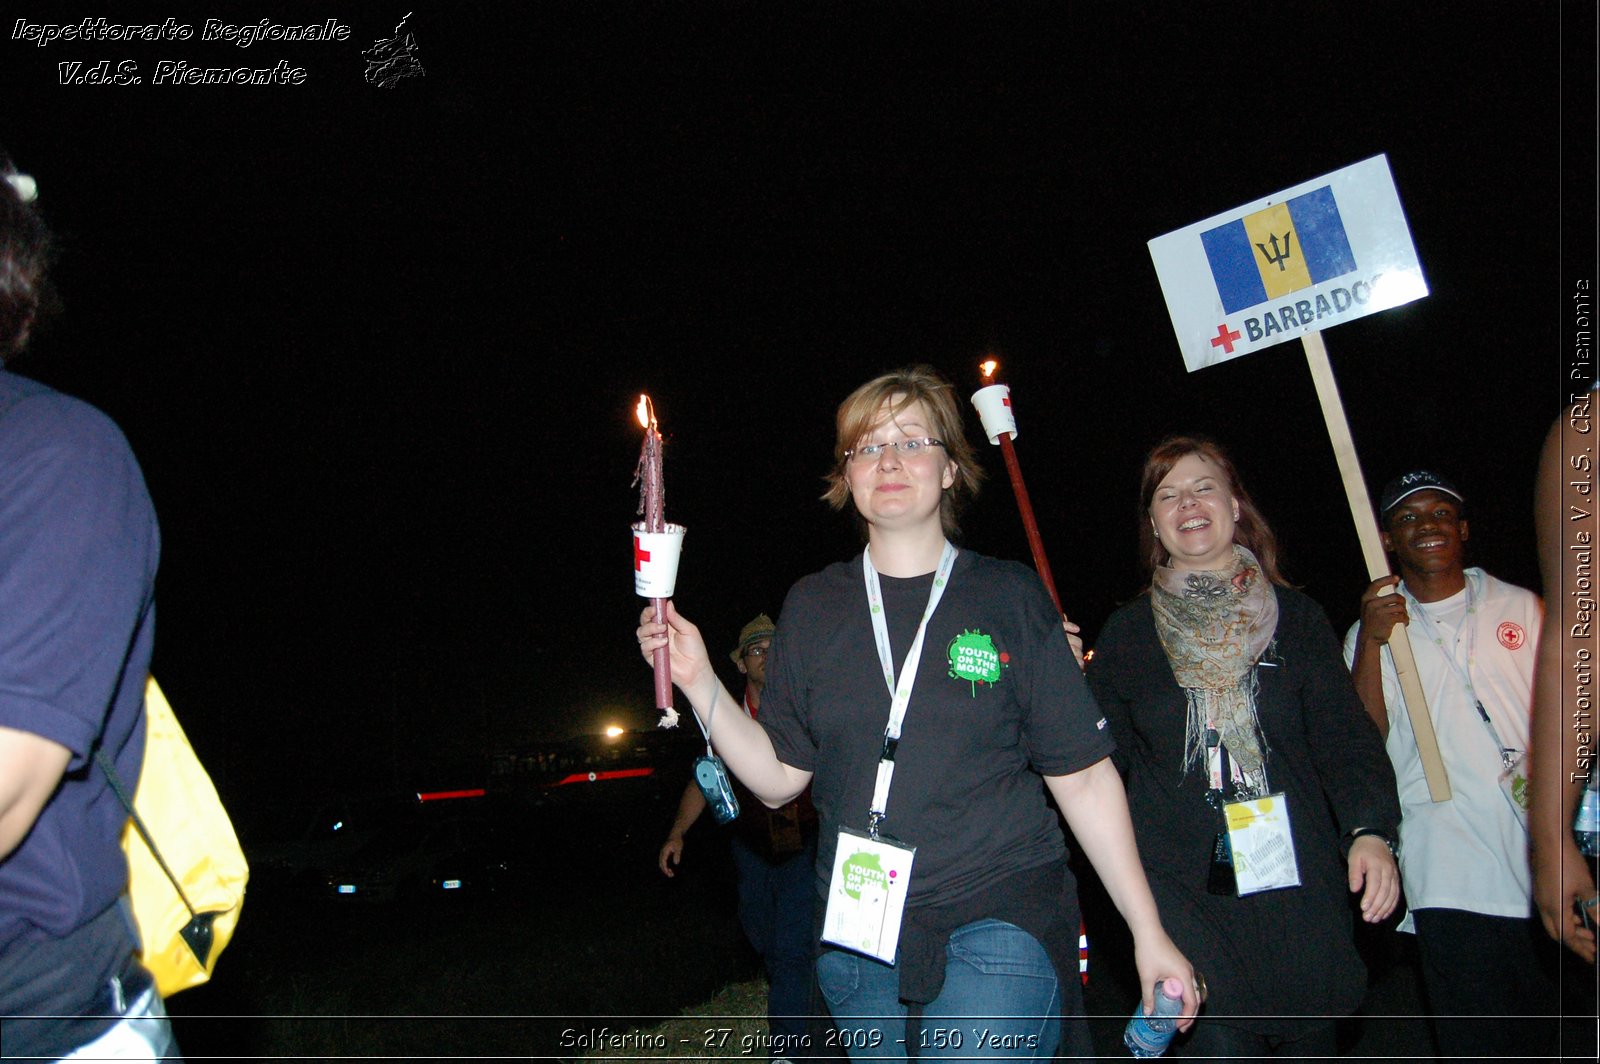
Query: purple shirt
{"points": [[78, 552]]}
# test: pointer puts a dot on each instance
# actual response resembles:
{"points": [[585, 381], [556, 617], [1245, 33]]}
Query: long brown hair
{"points": [[914, 384], [1250, 531]]}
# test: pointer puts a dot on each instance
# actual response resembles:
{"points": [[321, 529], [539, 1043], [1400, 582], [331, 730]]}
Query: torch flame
{"points": [[645, 412], [989, 367]]}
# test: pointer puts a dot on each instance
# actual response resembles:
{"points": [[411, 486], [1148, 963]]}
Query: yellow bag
{"points": [[186, 872]]}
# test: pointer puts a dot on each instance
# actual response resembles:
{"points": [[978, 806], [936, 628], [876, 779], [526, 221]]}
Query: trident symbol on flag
{"points": [[1276, 257]]}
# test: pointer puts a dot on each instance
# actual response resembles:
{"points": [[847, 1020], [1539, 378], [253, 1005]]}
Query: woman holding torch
{"points": [[928, 697], [1239, 730]]}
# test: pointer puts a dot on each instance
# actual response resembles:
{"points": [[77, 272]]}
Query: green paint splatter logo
{"points": [[974, 659], [863, 871]]}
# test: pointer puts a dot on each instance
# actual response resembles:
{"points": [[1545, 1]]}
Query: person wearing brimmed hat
{"points": [[773, 854], [1464, 862], [759, 631]]}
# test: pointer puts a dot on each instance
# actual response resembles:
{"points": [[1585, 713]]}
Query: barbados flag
{"points": [[1287, 247]]}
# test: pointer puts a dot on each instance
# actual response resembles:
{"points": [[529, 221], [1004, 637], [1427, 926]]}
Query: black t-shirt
{"points": [[998, 700]]}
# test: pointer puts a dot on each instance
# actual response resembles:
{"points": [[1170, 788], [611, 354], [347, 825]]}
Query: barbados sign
{"points": [[1317, 255]]}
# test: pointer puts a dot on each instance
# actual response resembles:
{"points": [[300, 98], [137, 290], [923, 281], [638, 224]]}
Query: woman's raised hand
{"points": [[687, 650]]}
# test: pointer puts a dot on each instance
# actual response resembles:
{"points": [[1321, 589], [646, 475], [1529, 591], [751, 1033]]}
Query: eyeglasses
{"points": [[868, 452], [756, 652]]}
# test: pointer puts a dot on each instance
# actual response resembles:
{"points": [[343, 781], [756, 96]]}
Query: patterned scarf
{"points": [[1214, 626]]}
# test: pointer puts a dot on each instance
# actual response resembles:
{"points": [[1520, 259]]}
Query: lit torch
{"points": [[993, 401], [652, 504]]}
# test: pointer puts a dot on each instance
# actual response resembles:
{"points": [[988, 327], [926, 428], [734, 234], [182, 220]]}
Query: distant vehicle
{"points": [[627, 768], [433, 854], [605, 796], [387, 846]]}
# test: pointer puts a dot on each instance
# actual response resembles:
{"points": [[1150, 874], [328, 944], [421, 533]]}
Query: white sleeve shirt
{"points": [[1471, 852]]}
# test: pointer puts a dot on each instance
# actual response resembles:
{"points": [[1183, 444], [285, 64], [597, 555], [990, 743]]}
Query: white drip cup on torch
{"points": [[655, 560], [994, 410]]}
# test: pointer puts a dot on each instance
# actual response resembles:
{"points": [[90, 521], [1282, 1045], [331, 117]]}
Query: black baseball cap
{"points": [[1407, 484]]}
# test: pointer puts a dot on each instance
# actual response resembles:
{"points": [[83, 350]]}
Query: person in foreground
{"points": [[1229, 701], [990, 700], [78, 549], [1465, 860], [1559, 753]]}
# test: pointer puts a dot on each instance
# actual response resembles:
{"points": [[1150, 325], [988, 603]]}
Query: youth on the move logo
{"points": [[864, 871], [974, 659]]}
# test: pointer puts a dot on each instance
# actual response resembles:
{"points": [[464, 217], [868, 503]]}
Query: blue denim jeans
{"points": [[776, 900], [1000, 999]]}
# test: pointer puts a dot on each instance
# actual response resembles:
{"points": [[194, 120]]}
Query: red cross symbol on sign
{"points": [[1225, 338], [639, 554]]}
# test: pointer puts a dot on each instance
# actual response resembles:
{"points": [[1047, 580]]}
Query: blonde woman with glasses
{"points": [[929, 697]]}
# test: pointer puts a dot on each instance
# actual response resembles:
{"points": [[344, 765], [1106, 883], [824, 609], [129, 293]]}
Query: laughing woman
{"points": [[1229, 701], [929, 697]]}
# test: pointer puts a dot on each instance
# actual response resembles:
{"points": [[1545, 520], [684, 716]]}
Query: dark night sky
{"points": [[377, 349]]}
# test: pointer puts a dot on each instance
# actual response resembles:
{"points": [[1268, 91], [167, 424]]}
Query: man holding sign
{"points": [[1465, 861]]}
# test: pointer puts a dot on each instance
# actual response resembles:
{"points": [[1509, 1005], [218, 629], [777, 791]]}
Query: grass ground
{"points": [[730, 1022], [572, 963], [613, 944]]}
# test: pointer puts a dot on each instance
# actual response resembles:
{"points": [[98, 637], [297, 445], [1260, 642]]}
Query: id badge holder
{"points": [[867, 894], [1514, 784], [1262, 843]]}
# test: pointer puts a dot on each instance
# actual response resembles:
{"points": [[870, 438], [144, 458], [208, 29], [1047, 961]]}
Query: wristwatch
{"points": [[1377, 833]]}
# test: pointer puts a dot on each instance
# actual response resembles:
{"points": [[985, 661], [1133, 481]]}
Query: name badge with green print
{"points": [[867, 894]]}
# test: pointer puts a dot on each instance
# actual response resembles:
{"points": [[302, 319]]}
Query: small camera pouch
{"points": [[712, 779]]}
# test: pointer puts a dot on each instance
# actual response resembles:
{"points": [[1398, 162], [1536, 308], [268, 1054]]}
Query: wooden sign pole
{"points": [[1355, 489]]}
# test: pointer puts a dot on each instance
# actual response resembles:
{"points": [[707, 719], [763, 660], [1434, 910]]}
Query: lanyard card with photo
{"points": [[867, 894], [1262, 844]]}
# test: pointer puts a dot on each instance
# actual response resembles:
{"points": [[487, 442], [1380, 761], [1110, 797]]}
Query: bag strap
{"points": [[138, 822]]}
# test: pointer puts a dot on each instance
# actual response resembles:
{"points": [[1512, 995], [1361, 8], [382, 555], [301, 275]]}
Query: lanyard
{"points": [[900, 692], [1433, 632], [706, 727]]}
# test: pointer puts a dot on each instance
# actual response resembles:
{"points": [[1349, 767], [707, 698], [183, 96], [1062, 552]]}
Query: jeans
{"points": [[143, 1034], [1000, 1000], [83, 996], [776, 900]]}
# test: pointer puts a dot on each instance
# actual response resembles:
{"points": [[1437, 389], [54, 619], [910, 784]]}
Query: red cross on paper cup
{"points": [[994, 410], [655, 560]]}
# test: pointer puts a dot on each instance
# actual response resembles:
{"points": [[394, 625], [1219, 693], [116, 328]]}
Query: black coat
{"points": [[1278, 953]]}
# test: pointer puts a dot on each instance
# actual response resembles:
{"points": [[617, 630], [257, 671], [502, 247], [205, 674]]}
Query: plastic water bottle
{"points": [[1586, 826], [1149, 1036]]}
